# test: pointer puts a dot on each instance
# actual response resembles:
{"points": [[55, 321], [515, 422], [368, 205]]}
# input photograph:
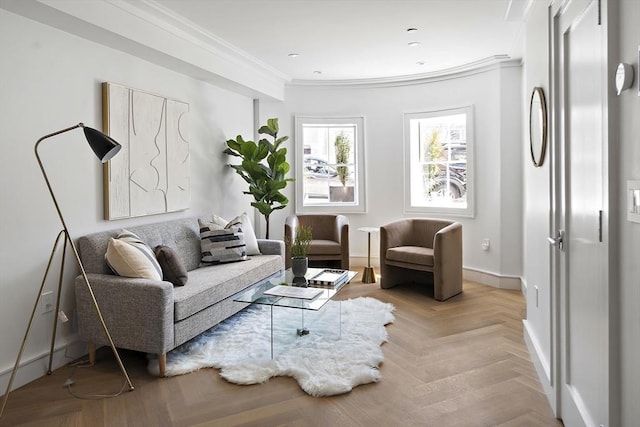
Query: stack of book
{"points": [[329, 278]]}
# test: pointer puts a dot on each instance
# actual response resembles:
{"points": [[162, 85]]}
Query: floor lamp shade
{"points": [[101, 144]]}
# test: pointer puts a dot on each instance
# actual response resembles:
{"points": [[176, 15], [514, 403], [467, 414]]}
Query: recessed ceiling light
{"points": [[317, 72], [412, 44], [411, 30], [420, 63], [294, 55]]}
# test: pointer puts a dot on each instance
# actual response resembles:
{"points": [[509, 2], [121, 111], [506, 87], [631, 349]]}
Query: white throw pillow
{"points": [[218, 220], [250, 239], [127, 255], [243, 222]]}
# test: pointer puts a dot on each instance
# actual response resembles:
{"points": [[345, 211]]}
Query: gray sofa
{"points": [[154, 316]]}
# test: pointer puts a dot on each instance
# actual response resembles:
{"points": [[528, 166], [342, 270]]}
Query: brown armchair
{"points": [[330, 237], [411, 247]]}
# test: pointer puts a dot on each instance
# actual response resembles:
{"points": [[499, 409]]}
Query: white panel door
{"points": [[583, 303]]}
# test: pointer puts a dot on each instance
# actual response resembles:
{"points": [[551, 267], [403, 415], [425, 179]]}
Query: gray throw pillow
{"points": [[172, 268]]}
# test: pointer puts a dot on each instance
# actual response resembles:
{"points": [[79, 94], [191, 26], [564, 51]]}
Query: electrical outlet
{"points": [[486, 244], [47, 303]]}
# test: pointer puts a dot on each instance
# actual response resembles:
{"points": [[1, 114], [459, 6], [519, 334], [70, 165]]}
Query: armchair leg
{"points": [[446, 287]]}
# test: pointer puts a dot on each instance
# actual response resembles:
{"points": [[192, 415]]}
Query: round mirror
{"points": [[538, 126]]}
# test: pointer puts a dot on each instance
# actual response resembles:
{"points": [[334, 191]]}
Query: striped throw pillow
{"points": [[127, 255], [219, 244]]}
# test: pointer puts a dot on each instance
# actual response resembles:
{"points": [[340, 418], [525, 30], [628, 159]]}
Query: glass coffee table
{"points": [[293, 296]]}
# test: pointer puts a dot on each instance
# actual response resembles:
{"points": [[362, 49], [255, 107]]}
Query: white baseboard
{"points": [[540, 362], [474, 275], [492, 279], [361, 261], [36, 366]]}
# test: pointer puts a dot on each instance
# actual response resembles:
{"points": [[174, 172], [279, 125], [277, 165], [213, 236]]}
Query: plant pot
{"points": [[341, 193], [299, 266]]}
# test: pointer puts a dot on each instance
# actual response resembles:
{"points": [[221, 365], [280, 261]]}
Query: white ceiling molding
{"points": [[183, 28], [145, 30], [516, 10], [471, 68]]}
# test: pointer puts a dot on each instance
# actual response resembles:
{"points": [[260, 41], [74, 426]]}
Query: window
{"points": [[329, 164], [439, 161]]}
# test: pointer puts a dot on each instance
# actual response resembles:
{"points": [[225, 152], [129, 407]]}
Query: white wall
{"points": [[496, 96], [629, 248], [50, 80], [536, 198]]}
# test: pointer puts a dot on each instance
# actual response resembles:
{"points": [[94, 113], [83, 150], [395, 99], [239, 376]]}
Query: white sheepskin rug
{"points": [[329, 360]]}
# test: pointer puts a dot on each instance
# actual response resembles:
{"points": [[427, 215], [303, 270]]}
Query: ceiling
{"points": [[339, 40]]}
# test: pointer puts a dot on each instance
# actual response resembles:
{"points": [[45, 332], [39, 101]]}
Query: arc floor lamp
{"points": [[105, 148]]}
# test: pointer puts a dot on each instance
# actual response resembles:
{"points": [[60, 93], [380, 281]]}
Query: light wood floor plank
{"points": [[462, 362]]}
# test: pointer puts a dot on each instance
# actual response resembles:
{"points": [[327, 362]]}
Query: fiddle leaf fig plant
{"points": [[266, 180]]}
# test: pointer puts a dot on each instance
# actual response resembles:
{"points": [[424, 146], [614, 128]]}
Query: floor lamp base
{"points": [[369, 275], [65, 239]]}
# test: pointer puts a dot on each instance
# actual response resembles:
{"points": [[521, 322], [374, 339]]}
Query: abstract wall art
{"points": [[151, 173]]}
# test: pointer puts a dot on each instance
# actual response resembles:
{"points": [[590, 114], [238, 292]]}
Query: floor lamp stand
{"points": [[95, 138], [65, 239]]}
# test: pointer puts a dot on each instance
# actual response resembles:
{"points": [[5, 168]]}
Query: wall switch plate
{"points": [[47, 302], [62, 317], [633, 201], [486, 244]]}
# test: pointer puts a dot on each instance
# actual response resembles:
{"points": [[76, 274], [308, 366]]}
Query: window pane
{"points": [[438, 153], [329, 172], [329, 178]]}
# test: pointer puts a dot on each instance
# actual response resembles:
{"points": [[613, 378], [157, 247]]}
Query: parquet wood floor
{"points": [[462, 362]]}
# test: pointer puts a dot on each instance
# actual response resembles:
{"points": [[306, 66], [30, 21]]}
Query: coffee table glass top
{"points": [[255, 293]]}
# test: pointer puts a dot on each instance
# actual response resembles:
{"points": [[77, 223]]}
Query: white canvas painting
{"points": [[150, 175]]}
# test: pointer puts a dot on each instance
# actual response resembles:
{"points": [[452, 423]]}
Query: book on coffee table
{"points": [[293, 292], [329, 278]]}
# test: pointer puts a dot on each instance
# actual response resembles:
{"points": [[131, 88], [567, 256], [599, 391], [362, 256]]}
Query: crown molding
{"points": [[146, 30], [475, 67], [181, 27]]}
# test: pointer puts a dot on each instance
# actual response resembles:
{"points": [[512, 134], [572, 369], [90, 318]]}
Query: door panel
{"points": [[584, 295]]}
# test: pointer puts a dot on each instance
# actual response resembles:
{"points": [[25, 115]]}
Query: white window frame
{"points": [[359, 204], [469, 211]]}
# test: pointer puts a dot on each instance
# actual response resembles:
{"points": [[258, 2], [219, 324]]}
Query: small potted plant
{"points": [[300, 249]]}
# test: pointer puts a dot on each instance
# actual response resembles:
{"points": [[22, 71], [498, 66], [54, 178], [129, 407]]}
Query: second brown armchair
{"points": [[412, 248], [330, 237]]}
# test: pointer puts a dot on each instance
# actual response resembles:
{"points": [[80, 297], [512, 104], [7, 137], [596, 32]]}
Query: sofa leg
{"points": [[92, 353], [162, 364]]}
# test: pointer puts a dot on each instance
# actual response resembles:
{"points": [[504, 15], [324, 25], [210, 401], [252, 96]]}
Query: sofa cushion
{"points": [[173, 270], [411, 254], [127, 255], [221, 245], [212, 284]]}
